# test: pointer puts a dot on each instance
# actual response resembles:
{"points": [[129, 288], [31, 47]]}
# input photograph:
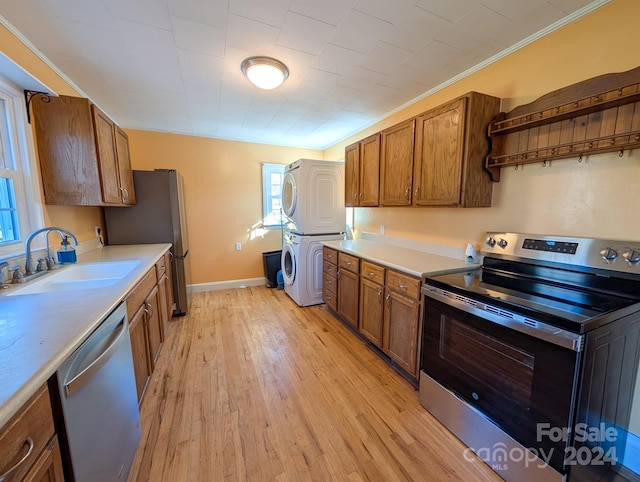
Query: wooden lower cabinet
{"points": [[147, 308], [48, 467], [153, 321], [383, 304], [401, 317], [371, 311], [348, 290], [29, 448], [140, 351]]}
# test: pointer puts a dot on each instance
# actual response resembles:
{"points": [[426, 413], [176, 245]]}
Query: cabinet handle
{"points": [[386, 298], [360, 197], [29, 442], [355, 197], [401, 286], [348, 263], [337, 272], [126, 194], [416, 192], [407, 194], [150, 310], [371, 273], [379, 293]]}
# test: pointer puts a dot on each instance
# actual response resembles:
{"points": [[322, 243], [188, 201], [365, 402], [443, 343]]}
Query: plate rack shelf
{"points": [[597, 115]]}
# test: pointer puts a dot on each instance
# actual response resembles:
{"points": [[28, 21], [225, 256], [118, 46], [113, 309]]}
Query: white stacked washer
{"points": [[313, 201]]}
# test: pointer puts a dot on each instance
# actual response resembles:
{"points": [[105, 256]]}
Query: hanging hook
{"points": [[544, 163], [621, 153], [516, 167], [580, 158]]}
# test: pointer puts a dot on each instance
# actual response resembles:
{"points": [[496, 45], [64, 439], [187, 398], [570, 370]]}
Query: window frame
{"points": [[26, 176], [269, 168]]}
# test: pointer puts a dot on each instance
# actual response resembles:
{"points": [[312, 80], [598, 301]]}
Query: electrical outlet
{"points": [[238, 246]]}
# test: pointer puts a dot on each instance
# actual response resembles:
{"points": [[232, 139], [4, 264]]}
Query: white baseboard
{"points": [[225, 285]]}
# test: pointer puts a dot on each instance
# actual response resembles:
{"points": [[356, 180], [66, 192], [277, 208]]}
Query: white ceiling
{"points": [[174, 65]]}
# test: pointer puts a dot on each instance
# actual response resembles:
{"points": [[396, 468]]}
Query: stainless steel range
{"points": [[532, 359]]}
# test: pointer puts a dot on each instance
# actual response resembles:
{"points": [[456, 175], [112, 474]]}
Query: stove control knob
{"points": [[502, 243], [609, 254], [631, 256], [490, 242]]}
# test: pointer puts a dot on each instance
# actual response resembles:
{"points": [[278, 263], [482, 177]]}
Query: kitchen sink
{"points": [[78, 277]]}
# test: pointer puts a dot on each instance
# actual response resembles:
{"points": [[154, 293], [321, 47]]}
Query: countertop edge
{"points": [[18, 398]]}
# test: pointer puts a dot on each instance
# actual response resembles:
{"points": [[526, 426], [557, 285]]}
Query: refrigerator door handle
{"points": [[183, 256]]}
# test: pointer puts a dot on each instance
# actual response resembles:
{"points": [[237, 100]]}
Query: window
{"points": [[20, 205], [272, 175]]}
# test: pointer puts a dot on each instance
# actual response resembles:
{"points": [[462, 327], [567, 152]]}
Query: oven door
{"points": [[524, 384]]}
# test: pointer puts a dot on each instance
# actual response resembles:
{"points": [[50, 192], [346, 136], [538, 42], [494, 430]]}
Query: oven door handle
{"points": [[537, 329]]}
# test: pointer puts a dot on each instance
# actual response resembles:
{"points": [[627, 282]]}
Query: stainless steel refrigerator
{"points": [[157, 217]]}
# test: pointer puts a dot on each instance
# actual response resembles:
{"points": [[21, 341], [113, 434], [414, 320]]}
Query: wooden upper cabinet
{"points": [[352, 175], [451, 144], [82, 156], [125, 174], [396, 164], [362, 172]]}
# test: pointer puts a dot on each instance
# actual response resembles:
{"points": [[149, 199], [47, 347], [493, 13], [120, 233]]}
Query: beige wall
{"points": [[594, 198], [223, 189]]}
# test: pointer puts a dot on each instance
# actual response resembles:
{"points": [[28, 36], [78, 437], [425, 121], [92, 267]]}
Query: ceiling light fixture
{"points": [[264, 72]]}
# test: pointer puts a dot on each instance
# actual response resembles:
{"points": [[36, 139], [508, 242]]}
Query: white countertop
{"points": [[411, 261], [39, 331]]}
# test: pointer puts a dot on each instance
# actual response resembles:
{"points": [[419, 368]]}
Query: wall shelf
{"points": [[597, 115]]}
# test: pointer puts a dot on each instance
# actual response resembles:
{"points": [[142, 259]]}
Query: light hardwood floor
{"points": [[251, 387]]}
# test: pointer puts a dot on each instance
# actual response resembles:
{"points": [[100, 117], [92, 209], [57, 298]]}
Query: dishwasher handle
{"points": [[81, 378]]}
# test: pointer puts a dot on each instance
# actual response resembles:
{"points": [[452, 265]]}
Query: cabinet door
{"points": [[125, 175], [352, 174], [371, 311], [369, 171], [401, 331], [48, 467], [396, 164], [154, 325], [107, 162], [348, 296], [140, 351], [66, 151], [438, 161]]}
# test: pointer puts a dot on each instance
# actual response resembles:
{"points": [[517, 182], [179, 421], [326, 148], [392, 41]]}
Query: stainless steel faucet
{"points": [[28, 264]]}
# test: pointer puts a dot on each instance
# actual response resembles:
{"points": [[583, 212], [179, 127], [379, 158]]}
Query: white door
{"points": [[288, 264], [289, 194]]}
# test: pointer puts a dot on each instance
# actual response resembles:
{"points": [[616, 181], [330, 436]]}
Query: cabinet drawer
{"points": [[346, 261], [330, 269], [140, 292], [372, 272], [403, 283], [330, 299], [329, 255], [33, 424], [329, 283], [161, 268]]}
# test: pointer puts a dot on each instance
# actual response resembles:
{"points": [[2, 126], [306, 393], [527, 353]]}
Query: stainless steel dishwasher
{"points": [[96, 390]]}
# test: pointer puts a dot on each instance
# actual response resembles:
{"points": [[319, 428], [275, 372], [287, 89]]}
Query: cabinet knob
{"points": [[609, 254], [631, 256]]}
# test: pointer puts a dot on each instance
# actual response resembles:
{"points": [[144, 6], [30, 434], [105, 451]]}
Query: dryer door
{"points": [[289, 263], [289, 194]]}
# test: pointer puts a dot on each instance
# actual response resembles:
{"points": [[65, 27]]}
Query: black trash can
{"points": [[271, 261]]}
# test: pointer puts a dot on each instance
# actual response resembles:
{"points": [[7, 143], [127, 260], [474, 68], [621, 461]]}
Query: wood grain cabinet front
{"points": [[348, 288], [83, 155], [147, 309], [28, 443], [372, 302], [450, 148], [396, 164], [362, 172]]}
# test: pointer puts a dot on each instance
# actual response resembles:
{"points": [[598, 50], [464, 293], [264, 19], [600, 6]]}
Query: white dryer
{"points": [[313, 196], [302, 266]]}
